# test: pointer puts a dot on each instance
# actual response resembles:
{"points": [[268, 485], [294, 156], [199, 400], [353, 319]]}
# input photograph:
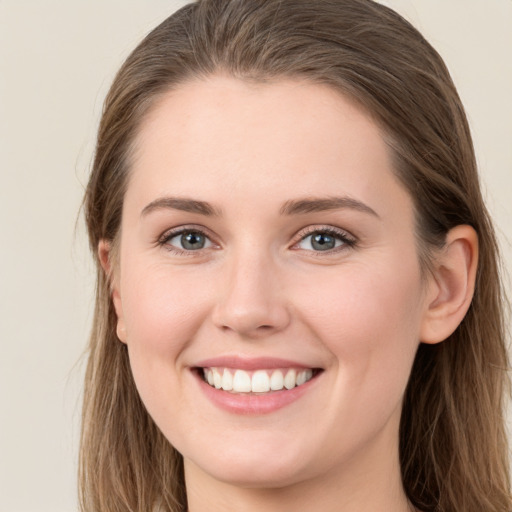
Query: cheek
{"points": [[366, 302], [369, 319], [162, 311], [162, 308]]}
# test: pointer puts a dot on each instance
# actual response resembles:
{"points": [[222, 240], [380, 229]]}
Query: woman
{"points": [[298, 302]]}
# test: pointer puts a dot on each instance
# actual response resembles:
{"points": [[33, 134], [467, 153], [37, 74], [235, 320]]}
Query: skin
{"points": [[259, 288]]}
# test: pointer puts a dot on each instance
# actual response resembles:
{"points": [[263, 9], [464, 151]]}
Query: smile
{"points": [[258, 381], [254, 386]]}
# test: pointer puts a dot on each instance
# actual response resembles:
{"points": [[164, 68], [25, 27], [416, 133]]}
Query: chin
{"points": [[263, 477], [254, 468]]}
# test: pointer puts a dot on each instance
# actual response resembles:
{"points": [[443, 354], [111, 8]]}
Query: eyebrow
{"points": [[314, 204], [291, 207], [181, 203]]}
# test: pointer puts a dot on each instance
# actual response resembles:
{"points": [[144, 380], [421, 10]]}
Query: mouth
{"points": [[256, 382], [254, 386]]}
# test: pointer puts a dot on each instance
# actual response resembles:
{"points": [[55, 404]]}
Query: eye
{"points": [[323, 240], [187, 240]]}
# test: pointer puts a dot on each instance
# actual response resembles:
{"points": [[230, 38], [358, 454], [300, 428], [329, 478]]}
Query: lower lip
{"points": [[244, 403]]}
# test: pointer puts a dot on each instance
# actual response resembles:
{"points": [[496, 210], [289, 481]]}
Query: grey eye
{"points": [[190, 241], [321, 241]]}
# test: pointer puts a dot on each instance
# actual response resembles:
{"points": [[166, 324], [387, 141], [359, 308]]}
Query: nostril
{"points": [[250, 315]]}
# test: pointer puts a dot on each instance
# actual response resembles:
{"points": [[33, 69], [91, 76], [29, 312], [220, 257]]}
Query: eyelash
{"points": [[348, 241], [163, 241]]}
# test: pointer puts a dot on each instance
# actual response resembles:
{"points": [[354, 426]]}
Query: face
{"points": [[267, 247]]}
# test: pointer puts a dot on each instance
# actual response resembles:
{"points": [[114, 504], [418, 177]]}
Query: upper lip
{"points": [[256, 363]]}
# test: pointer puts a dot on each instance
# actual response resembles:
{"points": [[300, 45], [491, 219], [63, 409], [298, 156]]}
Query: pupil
{"points": [[323, 242], [192, 241]]}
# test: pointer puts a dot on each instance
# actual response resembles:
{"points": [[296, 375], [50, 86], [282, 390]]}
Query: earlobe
{"points": [[452, 285], [105, 258]]}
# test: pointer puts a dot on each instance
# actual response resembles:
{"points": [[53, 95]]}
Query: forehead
{"points": [[295, 137]]}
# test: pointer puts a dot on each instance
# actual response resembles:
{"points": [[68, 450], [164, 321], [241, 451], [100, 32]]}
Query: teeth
{"points": [[260, 381], [241, 382], [301, 378], [276, 381], [217, 380], [291, 379], [227, 381]]}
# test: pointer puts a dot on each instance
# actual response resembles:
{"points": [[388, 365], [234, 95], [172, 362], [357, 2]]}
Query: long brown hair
{"points": [[453, 448]]}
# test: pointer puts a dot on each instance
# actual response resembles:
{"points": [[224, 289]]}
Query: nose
{"points": [[252, 301]]}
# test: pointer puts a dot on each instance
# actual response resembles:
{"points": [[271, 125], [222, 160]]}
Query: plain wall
{"points": [[57, 59]]}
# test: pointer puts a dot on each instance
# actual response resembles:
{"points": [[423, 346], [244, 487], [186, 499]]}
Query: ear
{"points": [[106, 261], [452, 285]]}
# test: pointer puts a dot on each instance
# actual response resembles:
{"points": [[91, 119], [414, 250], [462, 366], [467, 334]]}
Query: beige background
{"points": [[57, 59]]}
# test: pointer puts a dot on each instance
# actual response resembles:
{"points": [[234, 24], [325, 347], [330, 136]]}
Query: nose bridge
{"points": [[252, 301]]}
